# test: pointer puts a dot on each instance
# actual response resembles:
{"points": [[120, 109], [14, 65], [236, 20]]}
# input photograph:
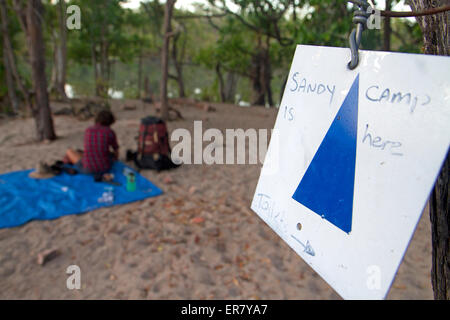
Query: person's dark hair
{"points": [[105, 118]]}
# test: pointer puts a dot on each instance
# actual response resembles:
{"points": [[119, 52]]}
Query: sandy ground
{"points": [[153, 249]]}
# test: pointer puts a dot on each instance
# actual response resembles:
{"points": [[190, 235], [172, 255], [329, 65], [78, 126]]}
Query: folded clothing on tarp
{"points": [[23, 198]]}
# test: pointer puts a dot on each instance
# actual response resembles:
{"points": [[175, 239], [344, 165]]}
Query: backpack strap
{"points": [[144, 135]]}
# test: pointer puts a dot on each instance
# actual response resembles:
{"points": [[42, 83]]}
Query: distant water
{"points": [[69, 91], [113, 94]]}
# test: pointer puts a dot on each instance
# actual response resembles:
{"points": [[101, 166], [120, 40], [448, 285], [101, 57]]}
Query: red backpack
{"points": [[153, 137], [153, 145]]}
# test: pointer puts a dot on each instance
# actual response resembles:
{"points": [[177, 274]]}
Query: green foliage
{"points": [[102, 24], [407, 36], [232, 49], [19, 47], [239, 31], [3, 89]]}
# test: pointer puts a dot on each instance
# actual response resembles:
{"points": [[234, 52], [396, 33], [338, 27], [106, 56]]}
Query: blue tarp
{"points": [[23, 199]]}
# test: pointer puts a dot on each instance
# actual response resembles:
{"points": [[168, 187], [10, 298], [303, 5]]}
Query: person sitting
{"points": [[100, 148]]}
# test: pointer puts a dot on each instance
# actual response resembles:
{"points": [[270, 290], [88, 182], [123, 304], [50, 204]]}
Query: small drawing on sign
{"points": [[307, 248], [323, 189]]}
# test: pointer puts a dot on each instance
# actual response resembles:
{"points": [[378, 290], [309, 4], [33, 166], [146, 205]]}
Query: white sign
{"points": [[353, 161]]}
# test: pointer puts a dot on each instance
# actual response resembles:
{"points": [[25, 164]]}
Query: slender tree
{"points": [[8, 64], [387, 28], [435, 29], [59, 36], [30, 15], [10, 60], [178, 59], [167, 32]]}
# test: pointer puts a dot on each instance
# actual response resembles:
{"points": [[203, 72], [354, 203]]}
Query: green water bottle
{"points": [[131, 182]]}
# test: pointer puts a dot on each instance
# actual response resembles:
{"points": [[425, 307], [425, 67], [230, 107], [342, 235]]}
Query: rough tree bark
{"points": [[258, 94], [41, 112], [165, 59], [13, 99], [227, 88], [178, 64], [26, 94], [148, 94], [283, 87], [98, 88], [102, 61], [435, 28], [266, 73], [436, 37]]}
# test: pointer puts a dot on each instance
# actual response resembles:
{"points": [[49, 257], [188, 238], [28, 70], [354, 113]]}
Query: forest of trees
{"points": [[214, 48]]}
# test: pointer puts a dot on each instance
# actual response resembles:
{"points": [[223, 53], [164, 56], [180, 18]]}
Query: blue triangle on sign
{"points": [[328, 184]]}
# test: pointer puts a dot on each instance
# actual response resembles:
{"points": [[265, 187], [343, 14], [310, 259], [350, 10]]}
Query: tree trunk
{"points": [[230, 86], [61, 53], [139, 94], [435, 29], [283, 87], [440, 224], [165, 59], [178, 66], [42, 113], [257, 86], [221, 83], [26, 95], [387, 28], [8, 64]]}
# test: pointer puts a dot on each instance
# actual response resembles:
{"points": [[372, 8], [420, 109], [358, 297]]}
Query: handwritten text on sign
{"points": [[358, 155]]}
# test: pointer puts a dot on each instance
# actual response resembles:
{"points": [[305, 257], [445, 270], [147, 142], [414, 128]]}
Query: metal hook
{"points": [[360, 19]]}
